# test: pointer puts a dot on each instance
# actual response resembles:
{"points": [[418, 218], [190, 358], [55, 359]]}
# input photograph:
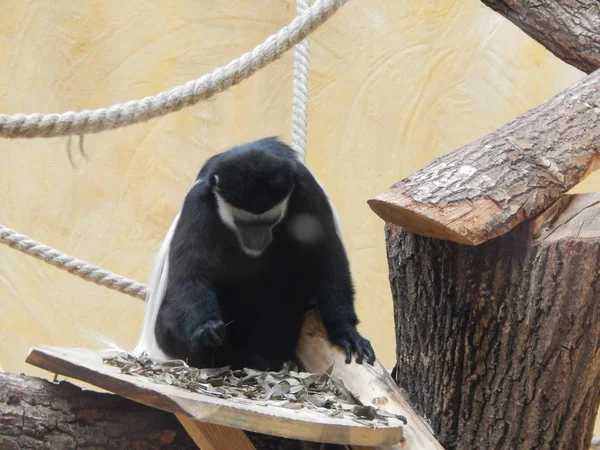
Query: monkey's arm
{"points": [[191, 313], [335, 302]]}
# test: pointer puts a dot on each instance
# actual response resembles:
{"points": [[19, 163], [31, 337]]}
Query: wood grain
{"points": [[373, 385], [215, 437], [572, 217]]}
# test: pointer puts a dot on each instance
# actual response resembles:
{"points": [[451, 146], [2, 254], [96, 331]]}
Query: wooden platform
{"points": [[250, 415]]}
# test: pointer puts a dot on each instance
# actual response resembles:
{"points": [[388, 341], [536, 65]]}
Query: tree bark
{"points": [[499, 345], [568, 28], [487, 187], [37, 414]]}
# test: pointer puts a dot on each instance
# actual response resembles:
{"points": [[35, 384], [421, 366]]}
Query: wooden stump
{"points": [[499, 345]]}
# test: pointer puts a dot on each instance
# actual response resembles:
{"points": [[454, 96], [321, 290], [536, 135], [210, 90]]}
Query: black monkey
{"points": [[255, 245]]}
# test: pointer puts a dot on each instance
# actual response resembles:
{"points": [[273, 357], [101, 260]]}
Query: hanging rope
{"points": [[300, 100], [136, 111], [72, 265], [13, 126]]}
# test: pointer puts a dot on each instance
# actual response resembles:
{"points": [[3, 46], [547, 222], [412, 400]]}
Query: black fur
{"points": [[250, 177], [223, 307]]}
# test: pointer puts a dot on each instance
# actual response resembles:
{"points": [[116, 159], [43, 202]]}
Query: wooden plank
{"points": [[215, 437], [249, 415], [373, 385]]}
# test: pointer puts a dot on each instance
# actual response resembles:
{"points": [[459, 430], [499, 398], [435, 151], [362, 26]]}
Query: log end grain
{"points": [[573, 217], [464, 222]]}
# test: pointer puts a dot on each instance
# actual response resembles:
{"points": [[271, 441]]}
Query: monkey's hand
{"points": [[211, 333], [352, 342]]}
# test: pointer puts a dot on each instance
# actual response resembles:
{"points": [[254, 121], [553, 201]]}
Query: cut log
{"points": [[487, 187], [372, 385], [499, 344], [568, 28], [38, 414]]}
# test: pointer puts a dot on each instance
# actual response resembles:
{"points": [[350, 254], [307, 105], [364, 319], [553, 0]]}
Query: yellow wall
{"points": [[393, 85]]}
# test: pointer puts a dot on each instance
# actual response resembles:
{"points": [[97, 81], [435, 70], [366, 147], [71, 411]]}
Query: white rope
{"points": [[75, 266], [300, 100], [141, 110], [300, 109]]}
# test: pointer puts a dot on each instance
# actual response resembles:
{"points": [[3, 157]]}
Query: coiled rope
{"points": [[38, 125]]}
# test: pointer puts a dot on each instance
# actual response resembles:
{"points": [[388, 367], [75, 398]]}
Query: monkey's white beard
{"points": [[227, 212]]}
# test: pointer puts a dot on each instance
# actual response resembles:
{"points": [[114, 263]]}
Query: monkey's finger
{"points": [[370, 354], [213, 337], [201, 338], [205, 338], [347, 349], [221, 331], [367, 350], [359, 354]]}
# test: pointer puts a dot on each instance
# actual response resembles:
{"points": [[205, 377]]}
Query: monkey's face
{"points": [[254, 231], [252, 192]]}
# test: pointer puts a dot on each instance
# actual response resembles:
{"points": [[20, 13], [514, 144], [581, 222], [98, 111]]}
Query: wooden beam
{"points": [[570, 29], [489, 186], [215, 437], [373, 385]]}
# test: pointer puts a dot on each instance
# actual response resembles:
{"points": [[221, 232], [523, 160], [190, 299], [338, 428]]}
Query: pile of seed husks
{"points": [[288, 388]]}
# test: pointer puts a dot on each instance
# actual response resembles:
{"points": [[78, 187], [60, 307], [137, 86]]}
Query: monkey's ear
{"points": [[213, 181]]}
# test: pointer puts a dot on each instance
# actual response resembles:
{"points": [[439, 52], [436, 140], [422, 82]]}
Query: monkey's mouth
{"points": [[255, 238]]}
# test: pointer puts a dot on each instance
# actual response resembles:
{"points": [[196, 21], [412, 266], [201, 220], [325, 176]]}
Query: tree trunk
{"points": [[37, 414], [568, 28], [498, 345], [486, 188]]}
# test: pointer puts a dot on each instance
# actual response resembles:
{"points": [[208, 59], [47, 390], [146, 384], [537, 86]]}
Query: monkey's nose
{"points": [[255, 238]]}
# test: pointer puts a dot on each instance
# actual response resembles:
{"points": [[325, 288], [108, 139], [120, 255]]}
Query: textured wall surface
{"points": [[393, 85]]}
